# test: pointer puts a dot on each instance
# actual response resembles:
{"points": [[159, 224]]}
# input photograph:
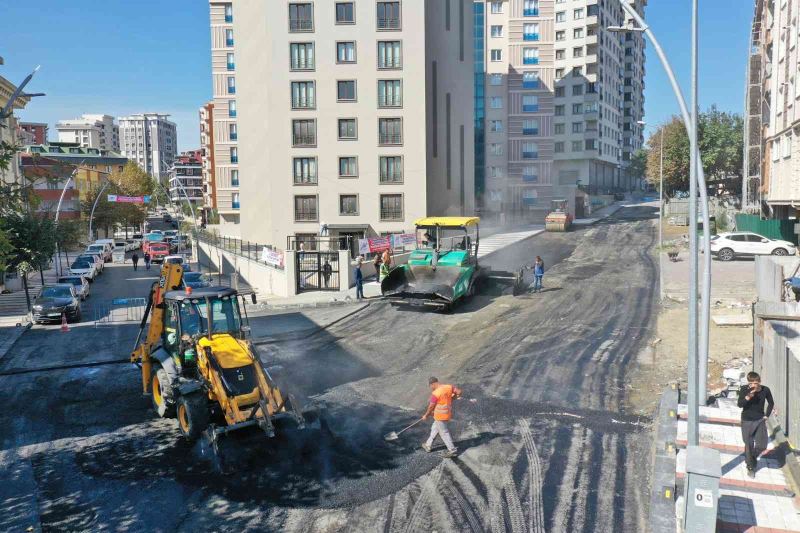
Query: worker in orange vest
{"points": [[441, 407]]}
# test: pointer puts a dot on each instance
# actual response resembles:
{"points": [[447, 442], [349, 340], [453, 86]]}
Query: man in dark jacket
{"points": [[752, 398]]}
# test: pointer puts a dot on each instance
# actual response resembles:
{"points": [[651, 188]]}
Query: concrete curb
{"points": [[663, 481], [307, 332], [6, 345], [316, 305]]}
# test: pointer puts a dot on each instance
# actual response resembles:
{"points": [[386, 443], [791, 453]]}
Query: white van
{"points": [[104, 249]]}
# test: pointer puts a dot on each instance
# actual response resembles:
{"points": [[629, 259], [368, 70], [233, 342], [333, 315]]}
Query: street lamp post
{"points": [[661, 215], [97, 199], [58, 212]]}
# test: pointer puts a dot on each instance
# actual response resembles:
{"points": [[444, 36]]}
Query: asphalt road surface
{"points": [[545, 442]]}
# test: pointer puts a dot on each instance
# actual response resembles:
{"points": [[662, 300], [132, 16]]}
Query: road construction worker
{"points": [[441, 407]]}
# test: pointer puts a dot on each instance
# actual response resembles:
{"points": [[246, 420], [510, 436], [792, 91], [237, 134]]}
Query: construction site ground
{"points": [[553, 429]]}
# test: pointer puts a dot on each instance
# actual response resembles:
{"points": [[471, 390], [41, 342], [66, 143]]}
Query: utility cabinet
{"points": [[701, 489]]}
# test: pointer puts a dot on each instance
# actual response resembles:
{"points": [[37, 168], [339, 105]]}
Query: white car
{"points": [[727, 246], [95, 258], [80, 284], [102, 248], [83, 266], [121, 246], [133, 244]]}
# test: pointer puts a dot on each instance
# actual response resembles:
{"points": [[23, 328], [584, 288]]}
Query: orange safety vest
{"points": [[444, 402]]}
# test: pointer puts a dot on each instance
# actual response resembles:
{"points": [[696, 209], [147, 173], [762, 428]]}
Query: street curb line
{"points": [[663, 480], [307, 332]]}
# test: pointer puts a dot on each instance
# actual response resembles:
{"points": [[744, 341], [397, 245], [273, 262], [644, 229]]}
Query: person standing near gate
{"points": [[752, 398], [147, 260], [135, 259], [359, 279], [377, 263], [441, 407], [326, 273]]}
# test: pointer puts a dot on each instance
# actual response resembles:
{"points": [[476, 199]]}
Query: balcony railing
{"points": [[530, 108], [228, 19], [530, 61], [530, 155], [530, 178], [530, 131], [234, 136], [231, 90], [301, 25], [235, 205], [390, 138], [304, 140], [228, 42], [234, 159], [530, 37], [231, 66], [532, 12], [391, 213], [231, 113], [390, 23], [305, 215], [530, 84]]}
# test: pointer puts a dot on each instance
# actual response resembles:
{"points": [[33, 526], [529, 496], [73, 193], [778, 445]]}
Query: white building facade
{"points": [[90, 131], [150, 140]]}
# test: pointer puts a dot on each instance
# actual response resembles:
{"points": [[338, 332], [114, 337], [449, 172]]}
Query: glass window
{"points": [[561, 35], [577, 90], [234, 177], [231, 63], [233, 131], [559, 147], [559, 92], [228, 13], [495, 79], [577, 33], [346, 52], [530, 56], [530, 103], [301, 17], [530, 174], [530, 8], [496, 126], [303, 95], [389, 54], [348, 167], [305, 208], [391, 207], [560, 54], [577, 14], [347, 128], [345, 13], [305, 170], [530, 31], [577, 109], [497, 7], [390, 93], [304, 132], [497, 55], [559, 110], [558, 129], [496, 102], [530, 126], [577, 146], [348, 204], [231, 108], [235, 201], [302, 56], [388, 14], [346, 91], [228, 37], [577, 127], [390, 131], [561, 16], [530, 150], [577, 51], [234, 154], [391, 169], [497, 31], [496, 148]]}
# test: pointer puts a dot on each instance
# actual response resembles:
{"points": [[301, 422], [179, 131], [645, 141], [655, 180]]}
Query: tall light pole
{"points": [[58, 212], [660, 209]]}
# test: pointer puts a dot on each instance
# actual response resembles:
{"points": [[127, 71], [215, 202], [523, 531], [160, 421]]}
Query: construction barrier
{"points": [[119, 310]]}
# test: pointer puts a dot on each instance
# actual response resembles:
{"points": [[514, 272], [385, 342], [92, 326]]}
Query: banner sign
{"points": [[128, 199], [400, 240], [374, 245], [272, 257]]}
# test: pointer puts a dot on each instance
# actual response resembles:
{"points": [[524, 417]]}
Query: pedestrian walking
{"points": [[135, 259], [359, 279], [441, 407], [147, 260], [752, 398], [327, 270], [538, 274], [377, 262]]}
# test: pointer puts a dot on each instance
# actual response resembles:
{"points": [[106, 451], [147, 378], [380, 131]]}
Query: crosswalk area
{"points": [[498, 241]]}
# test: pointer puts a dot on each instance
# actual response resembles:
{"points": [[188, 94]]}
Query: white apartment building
{"points": [[224, 132], [206, 115], [90, 131], [151, 140], [563, 101], [355, 116]]}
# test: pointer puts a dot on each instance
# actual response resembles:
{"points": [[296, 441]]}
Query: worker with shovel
{"points": [[441, 407]]}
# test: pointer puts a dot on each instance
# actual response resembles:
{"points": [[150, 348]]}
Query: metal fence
{"points": [[247, 249], [315, 243], [118, 310]]}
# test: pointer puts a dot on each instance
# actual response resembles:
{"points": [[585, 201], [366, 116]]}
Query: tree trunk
{"points": [[27, 294], [41, 275]]}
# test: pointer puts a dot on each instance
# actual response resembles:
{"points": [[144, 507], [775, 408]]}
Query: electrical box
{"points": [[701, 489]]}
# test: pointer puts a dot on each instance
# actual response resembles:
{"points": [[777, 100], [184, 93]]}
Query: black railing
{"points": [[313, 243], [305, 215], [304, 140], [301, 25], [388, 23], [391, 138], [249, 250], [391, 213]]}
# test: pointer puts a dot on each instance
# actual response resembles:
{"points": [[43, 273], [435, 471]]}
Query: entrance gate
{"points": [[317, 271]]}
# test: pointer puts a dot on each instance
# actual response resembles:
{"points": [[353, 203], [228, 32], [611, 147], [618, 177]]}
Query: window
{"points": [[577, 90], [346, 52], [530, 126], [559, 147], [495, 172], [530, 103], [496, 126], [497, 31], [345, 13], [348, 204], [577, 14], [496, 102], [559, 92], [231, 62], [495, 79], [530, 174], [530, 150], [228, 13], [530, 79], [305, 170], [391, 169], [591, 88], [577, 71], [577, 109], [560, 54], [577, 51], [388, 15], [577, 33], [229, 37], [303, 95], [530, 56], [234, 154], [559, 110], [390, 93], [530, 8], [561, 35], [593, 10], [348, 167], [233, 132], [346, 91], [391, 207], [561, 16], [235, 201], [302, 55], [305, 208], [497, 7], [558, 129], [530, 31], [559, 73], [577, 146], [389, 54], [347, 129], [496, 149], [590, 144], [497, 55], [234, 177], [390, 131], [787, 146], [577, 127], [301, 17], [304, 132]]}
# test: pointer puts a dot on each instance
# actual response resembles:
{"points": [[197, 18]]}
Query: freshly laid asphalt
{"points": [[545, 442]]}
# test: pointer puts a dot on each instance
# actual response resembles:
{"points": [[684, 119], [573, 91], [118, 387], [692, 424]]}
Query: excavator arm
{"points": [[169, 279]]}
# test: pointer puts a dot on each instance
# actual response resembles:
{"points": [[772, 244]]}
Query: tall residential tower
{"points": [[151, 141], [90, 131]]}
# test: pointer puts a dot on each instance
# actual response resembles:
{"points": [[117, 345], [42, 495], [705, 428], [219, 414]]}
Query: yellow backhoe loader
{"points": [[198, 366]]}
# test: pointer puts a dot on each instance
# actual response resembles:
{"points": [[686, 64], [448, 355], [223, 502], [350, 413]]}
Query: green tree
{"points": [[638, 166], [6, 255], [33, 239], [105, 213]]}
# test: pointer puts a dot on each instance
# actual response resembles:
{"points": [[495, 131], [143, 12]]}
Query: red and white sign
{"points": [[272, 257], [128, 199], [374, 245]]}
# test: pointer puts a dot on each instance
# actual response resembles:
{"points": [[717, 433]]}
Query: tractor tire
{"points": [[780, 251], [726, 254], [193, 415], [161, 392]]}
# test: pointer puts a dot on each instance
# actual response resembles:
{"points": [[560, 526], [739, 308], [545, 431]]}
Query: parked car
{"points": [[80, 284], [133, 244], [196, 280], [85, 267], [96, 258], [158, 251], [727, 246], [167, 217], [121, 246], [103, 249], [54, 301]]}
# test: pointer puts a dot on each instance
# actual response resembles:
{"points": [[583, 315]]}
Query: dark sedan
{"points": [[196, 280], [54, 301]]}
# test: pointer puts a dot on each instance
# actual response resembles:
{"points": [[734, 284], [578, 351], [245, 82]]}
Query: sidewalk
{"points": [[14, 306], [600, 214]]}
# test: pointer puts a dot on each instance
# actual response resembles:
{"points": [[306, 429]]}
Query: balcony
{"points": [[530, 108], [228, 42], [391, 23], [533, 12], [390, 139], [228, 19], [530, 60], [235, 205], [231, 90], [232, 113], [297, 25], [231, 66], [304, 140], [530, 37], [530, 155], [234, 136], [530, 84], [235, 183], [530, 131], [234, 159], [591, 39], [530, 178]]}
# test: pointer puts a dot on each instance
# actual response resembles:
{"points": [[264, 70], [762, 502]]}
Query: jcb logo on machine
{"points": [[162, 281], [239, 375]]}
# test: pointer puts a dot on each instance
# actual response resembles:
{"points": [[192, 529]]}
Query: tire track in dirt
{"points": [[566, 488], [535, 505], [429, 484]]}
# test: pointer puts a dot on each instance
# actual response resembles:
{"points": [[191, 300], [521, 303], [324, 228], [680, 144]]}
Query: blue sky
{"points": [[119, 57]]}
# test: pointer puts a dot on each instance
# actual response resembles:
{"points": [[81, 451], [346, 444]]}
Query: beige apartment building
{"points": [[225, 144], [356, 117], [206, 114], [563, 101]]}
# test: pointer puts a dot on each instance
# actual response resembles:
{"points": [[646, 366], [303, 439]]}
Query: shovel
{"points": [[396, 435]]}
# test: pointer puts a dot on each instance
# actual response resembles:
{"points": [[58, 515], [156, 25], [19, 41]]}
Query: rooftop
{"points": [[66, 149]]}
